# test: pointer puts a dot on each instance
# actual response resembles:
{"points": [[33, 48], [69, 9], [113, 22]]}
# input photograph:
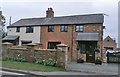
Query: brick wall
{"points": [[32, 53], [56, 36]]}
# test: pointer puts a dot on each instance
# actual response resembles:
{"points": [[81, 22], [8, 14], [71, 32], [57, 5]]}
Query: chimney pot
{"points": [[49, 13]]}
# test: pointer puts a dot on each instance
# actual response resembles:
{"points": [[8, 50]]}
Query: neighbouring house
{"points": [[109, 44], [82, 33], [23, 32]]}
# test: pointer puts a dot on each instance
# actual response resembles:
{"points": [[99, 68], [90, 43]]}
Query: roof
{"points": [[62, 45], [7, 43], [87, 36], [110, 39], [10, 37], [76, 19]]}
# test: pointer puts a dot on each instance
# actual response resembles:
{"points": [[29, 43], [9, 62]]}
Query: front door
{"points": [[88, 47], [90, 53]]}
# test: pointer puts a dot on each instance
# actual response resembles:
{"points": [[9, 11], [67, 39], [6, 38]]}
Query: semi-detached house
{"points": [[82, 33]]}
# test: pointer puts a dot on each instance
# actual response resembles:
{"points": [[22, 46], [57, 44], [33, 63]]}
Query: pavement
{"points": [[38, 73], [75, 69], [104, 69]]}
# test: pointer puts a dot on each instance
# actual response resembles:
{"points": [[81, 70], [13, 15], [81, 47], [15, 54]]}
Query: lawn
{"points": [[29, 66]]}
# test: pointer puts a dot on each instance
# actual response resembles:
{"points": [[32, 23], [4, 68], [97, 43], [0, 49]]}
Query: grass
{"points": [[29, 66]]}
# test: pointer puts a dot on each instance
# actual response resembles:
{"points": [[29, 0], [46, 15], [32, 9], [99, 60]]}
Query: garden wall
{"points": [[32, 53]]}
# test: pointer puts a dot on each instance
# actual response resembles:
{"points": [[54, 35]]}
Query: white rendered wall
{"points": [[34, 37]]}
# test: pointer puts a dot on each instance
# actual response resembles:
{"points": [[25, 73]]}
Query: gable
{"points": [[108, 39]]}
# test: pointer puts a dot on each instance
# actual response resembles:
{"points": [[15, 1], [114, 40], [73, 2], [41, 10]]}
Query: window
{"points": [[64, 28], [50, 28], [52, 45], [17, 29], [108, 40], [29, 29], [79, 28], [82, 48]]}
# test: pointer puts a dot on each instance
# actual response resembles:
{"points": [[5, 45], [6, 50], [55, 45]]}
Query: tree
{"points": [[2, 25]]}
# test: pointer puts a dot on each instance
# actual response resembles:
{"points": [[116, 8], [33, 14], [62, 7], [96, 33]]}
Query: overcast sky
{"points": [[18, 9]]}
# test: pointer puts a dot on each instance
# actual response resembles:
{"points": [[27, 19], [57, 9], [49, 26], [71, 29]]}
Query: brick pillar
{"points": [[30, 52], [5, 47], [62, 55]]}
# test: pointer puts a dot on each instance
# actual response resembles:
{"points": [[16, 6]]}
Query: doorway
{"points": [[88, 47]]}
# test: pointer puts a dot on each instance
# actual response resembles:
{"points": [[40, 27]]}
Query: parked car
{"points": [[110, 51]]}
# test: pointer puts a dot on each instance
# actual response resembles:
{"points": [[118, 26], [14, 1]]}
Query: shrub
{"points": [[38, 61], [20, 58], [49, 62]]}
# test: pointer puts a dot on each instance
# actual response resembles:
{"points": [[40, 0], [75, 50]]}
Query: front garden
{"points": [[37, 65]]}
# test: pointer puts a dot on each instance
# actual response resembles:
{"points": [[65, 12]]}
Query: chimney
{"points": [[49, 13]]}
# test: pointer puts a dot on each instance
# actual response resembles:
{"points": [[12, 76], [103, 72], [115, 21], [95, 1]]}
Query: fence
{"points": [[113, 57]]}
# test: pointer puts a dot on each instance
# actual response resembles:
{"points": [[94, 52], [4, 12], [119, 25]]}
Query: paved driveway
{"points": [[104, 69]]}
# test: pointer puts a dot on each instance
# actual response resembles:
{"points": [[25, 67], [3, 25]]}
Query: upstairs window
{"points": [[17, 29], [51, 28], [64, 28], [29, 29], [79, 28]]}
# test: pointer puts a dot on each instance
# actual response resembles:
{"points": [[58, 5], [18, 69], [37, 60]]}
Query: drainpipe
{"points": [[72, 43]]}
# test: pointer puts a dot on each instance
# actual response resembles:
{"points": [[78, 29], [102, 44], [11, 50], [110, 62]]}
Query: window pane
{"points": [[29, 29], [17, 29], [50, 28], [79, 28], [64, 28]]}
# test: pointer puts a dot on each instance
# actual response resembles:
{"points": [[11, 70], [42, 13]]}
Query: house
{"points": [[82, 33], [109, 44]]}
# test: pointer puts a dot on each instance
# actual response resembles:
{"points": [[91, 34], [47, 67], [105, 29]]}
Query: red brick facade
{"points": [[68, 38]]}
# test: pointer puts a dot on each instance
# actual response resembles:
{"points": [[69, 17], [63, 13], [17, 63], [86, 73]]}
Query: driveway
{"points": [[104, 69]]}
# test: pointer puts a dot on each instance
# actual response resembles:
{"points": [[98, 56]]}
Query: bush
{"points": [[20, 58], [4, 58], [7, 58], [98, 61], [48, 62], [38, 61], [80, 60]]}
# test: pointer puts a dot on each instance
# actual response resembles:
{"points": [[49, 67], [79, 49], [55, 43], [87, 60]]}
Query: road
{"points": [[55, 74], [15, 74], [10, 73]]}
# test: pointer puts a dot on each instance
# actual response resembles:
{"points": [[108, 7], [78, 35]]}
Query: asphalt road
{"points": [[15, 74], [10, 73]]}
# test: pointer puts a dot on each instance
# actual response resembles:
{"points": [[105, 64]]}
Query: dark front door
{"points": [[88, 47], [90, 53]]}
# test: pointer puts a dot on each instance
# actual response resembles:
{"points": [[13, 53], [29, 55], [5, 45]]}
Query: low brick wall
{"points": [[32, 54]]}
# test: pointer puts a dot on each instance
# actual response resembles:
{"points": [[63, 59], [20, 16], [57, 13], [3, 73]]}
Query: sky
{"points": [[19, 9]]}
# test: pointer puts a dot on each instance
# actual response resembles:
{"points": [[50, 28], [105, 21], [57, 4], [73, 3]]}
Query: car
{"points": [[110, 51]]}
